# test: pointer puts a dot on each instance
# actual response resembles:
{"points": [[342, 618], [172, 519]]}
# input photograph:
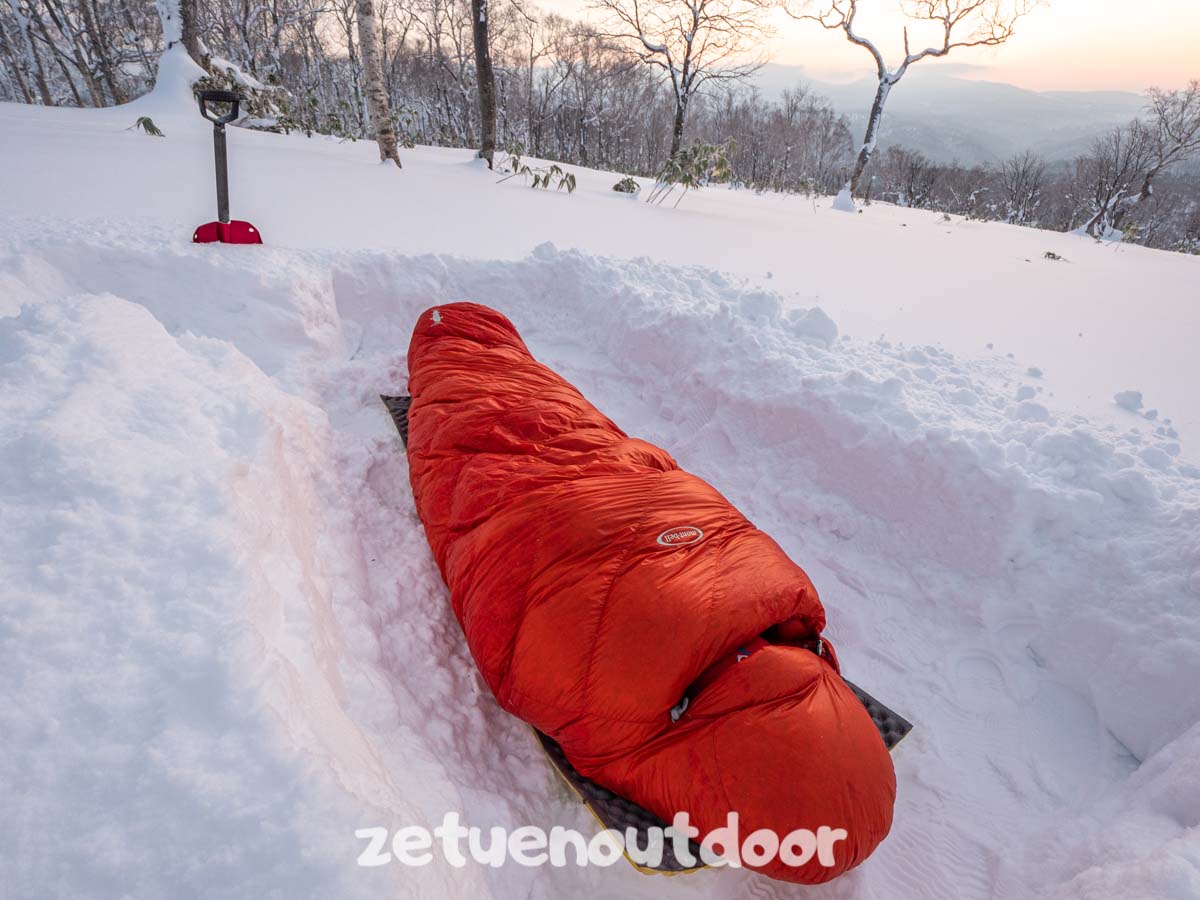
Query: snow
{"points": [[843, 202], [224, 645], [1130, 400], [958, 284], [171, 16]]}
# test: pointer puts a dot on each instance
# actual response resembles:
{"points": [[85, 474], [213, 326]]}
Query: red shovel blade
{"points": [[235, 232]]}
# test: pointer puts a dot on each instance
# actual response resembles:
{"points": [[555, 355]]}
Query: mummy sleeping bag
{"points": [[627, 610]]}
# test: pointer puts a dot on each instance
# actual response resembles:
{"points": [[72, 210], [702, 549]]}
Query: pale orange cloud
{"points": [[1065, 45]]}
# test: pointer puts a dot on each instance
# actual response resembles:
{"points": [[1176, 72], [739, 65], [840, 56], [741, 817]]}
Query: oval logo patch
{"points": [[680, 536]]}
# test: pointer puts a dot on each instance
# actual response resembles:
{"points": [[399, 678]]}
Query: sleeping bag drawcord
{"points": [[744, 652], [679, 708]]}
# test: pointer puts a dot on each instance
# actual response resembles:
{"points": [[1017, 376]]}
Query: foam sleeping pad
{"points": [[597, 584]]}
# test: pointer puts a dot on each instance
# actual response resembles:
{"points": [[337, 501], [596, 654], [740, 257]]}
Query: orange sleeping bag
{"points": [[598, 584]]}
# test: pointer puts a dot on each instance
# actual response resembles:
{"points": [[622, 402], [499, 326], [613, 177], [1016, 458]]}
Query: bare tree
{"points": [[12, 67], [445, 33], [69, 48], [1021, 180], [1111, 174], [543, 49], [1124, 164], [377, 97], [485, 78], [1175, 129], [963, 23], [100, 44], [1171, 136], [343, 12], [909, 177], [691, 41], [32, 60]]}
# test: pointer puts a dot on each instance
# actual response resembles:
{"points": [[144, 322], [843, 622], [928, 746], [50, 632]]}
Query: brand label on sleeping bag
{"points": [[680, 536]]}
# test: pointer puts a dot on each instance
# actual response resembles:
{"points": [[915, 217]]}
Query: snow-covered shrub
{"points": [[627, 185], [262, 106]]}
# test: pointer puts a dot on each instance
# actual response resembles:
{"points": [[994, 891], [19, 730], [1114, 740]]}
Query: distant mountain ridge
{"points": [[950, 118]]}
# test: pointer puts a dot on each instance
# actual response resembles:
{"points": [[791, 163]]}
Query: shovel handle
{"points": [[206, 97], [219, 122]]}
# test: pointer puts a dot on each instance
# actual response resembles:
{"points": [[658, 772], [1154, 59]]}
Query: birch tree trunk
{"points": [[377, 98], [486, 79], [871, 138]]}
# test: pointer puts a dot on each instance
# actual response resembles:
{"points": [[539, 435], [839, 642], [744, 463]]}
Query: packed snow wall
{"points": [[220, 576]]}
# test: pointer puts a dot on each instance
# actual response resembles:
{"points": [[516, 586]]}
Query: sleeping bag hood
{"points": [[626, 609]]}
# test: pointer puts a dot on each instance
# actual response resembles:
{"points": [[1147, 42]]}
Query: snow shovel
{"points": [[223, 230]]}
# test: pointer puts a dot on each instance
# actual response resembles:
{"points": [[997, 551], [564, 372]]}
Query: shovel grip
{"points": [[206, 97]]}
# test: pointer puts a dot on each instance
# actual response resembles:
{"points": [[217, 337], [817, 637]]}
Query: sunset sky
{"points": [[1064, 45]]}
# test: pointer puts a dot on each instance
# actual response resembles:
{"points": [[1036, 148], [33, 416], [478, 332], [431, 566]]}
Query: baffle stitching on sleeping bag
{"points": [[505, 682], [612, 584], [720, 778], [719, 549]]}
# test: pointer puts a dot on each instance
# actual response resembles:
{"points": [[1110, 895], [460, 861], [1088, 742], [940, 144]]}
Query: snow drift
{"points": [[226, 646]]}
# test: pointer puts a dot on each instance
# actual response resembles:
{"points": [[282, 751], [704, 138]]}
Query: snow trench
{"points": [[225, 646]]}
